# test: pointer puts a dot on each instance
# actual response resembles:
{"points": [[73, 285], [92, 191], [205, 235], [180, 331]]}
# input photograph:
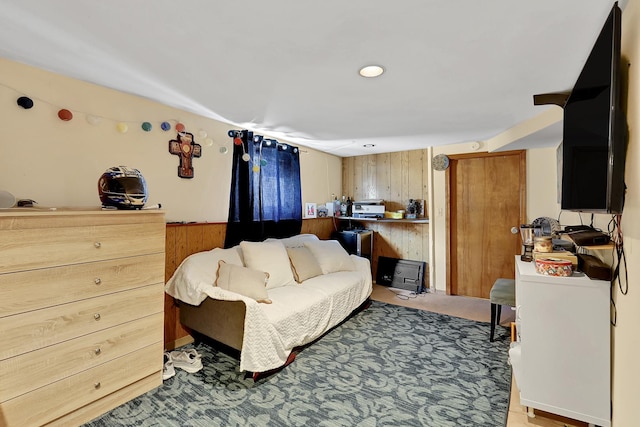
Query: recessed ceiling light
{"points": [[369, 145], [371, 71]]}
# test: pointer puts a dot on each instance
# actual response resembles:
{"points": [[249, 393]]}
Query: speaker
{"points": [[594, 267], [7, 200], [589, 238]]}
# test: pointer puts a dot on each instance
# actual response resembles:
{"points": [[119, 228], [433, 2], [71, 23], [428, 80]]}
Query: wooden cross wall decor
{"points": [[185, 147]]}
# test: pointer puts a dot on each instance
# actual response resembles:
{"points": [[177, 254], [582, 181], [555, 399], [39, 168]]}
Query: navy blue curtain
{"points": [[266, 198]]}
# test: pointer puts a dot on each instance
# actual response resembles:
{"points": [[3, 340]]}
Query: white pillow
{"points": [[197, 272], [270, 257], [303, 264], [296, 241], [243, 281], [331, 256]]}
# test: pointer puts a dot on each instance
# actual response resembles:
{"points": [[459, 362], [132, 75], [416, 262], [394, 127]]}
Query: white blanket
{"points": [[299, 314]]}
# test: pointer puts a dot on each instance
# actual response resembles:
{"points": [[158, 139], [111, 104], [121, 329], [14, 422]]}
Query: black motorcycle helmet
{"points": [[122, 187]]}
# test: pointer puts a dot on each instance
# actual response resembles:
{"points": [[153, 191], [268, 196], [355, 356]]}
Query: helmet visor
{"points": [[126, 185]]}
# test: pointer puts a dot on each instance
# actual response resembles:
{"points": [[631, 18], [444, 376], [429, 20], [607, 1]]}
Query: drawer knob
{"points": [[97, 280], [96, 385], [97, 245], [98, 350], [96, 316]]}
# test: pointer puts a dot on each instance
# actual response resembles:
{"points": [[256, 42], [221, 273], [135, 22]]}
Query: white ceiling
{"points": [[456, 71]]}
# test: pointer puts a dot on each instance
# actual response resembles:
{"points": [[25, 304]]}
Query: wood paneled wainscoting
{"points": [[394, 178], [183, 240]]}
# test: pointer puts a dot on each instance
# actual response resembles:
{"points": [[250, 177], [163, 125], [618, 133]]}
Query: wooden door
{"points": [[486, 197]]}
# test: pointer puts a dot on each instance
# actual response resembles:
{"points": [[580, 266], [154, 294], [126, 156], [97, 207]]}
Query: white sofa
{"points": [[305, 287]]}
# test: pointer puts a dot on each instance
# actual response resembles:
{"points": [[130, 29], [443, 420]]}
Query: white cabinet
{"points": [[565, 345]]}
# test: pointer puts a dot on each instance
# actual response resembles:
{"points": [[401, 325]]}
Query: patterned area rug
{"points": [[386, 366]]}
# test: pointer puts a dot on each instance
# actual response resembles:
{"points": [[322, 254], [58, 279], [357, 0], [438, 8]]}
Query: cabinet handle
{"points": [[97, 245], [97, 280], [96, 316], [97, 385], [98, 351]]}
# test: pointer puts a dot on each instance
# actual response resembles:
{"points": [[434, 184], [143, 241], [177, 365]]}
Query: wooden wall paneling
{"points": [[169, 267], [383, 178], [387, 234], [370, 177], [417, 240], [214, 235], [348, 173], [417, 185], [395, 178], [194, 242], [425, 196], [358, 178], [397, 235], [396, 172], [169, 252], [183, 240], [181, 244], [321, 227], [415, 248], [175, 247]]}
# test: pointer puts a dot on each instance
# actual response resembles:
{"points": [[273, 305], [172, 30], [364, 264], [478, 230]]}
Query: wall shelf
{"points": [[609, 245], [385, 220]]}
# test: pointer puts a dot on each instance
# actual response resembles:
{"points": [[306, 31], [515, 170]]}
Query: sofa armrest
{"points": [[361, 263]]}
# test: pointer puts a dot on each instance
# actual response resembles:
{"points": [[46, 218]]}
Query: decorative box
{"points": [[554, 267]]}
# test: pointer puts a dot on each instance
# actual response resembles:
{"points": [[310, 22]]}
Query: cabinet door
{"points": [[565, 348]]}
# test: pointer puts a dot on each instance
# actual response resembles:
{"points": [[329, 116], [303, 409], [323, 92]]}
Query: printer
{"points": [[369, 208]]}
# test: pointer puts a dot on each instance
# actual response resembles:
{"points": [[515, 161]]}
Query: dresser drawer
{"points": [[36, 289], [30, 248], [61, 397], [36, 329], [33, 370]]}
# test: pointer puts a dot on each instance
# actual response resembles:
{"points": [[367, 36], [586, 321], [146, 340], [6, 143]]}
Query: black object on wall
{"points": [[595, 129]]}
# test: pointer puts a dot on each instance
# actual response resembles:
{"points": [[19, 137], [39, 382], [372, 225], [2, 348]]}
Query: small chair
{"points": [[503, 292]]}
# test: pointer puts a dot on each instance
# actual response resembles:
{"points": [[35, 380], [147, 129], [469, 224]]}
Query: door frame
{"points": [[522, 192]]}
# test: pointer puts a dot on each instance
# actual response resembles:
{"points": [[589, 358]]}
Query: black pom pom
{"points": [[25, 102]]}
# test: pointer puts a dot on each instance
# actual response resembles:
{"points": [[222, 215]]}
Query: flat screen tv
{"points": [[594, 142]]}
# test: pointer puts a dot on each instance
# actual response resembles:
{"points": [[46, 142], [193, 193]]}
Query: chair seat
{"points": [[503, 292]]}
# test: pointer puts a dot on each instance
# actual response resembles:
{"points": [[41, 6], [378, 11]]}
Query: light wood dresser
{"points": [[81, 312]]}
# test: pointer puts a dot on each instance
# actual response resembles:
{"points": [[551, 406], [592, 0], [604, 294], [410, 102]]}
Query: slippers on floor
{"points": [[188, 360], [168, 369]]}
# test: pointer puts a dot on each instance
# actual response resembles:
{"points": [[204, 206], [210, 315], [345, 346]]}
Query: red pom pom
{"points": [[237, 141], [65, 115], [180, 127]]}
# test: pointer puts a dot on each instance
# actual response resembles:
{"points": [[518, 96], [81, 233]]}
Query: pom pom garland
{"points": [[25, 102], [65, 115]]}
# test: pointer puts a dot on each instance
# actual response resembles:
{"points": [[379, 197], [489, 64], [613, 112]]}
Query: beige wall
{"points": [[58, 163], [626, 336]]}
